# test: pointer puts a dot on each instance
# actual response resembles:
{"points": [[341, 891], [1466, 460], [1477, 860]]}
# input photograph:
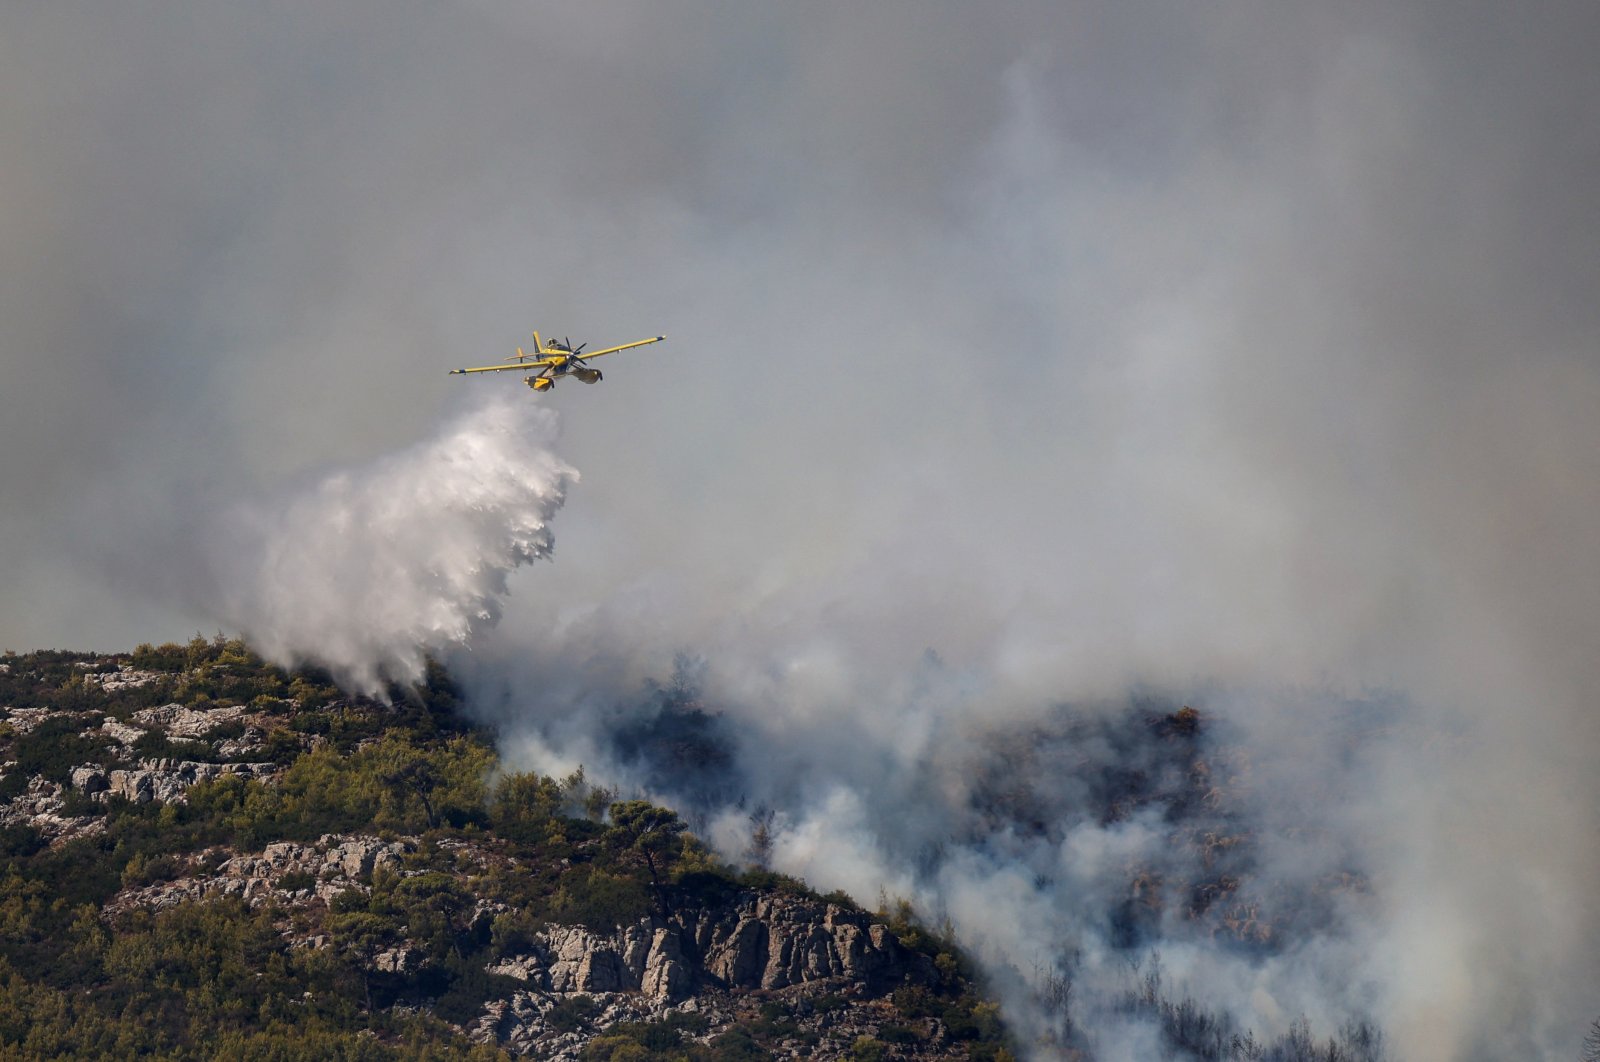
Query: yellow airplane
{"points": [[554, 359]]}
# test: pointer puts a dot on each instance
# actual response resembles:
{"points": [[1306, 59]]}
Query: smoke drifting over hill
{"points": [[1103, 860], [1225, 351]]}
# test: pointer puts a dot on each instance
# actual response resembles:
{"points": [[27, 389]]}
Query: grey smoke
{"points": [[1088, 344]]}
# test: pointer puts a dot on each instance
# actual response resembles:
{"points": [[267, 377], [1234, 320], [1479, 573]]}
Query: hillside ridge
{"points": [[201, 852]]}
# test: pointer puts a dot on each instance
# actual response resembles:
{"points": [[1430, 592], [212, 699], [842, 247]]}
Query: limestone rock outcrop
{"points": [[522, 1025], [766, 942], [334, 864], [182, 722], [704, 960], [42, 807], [773, 942], [121, 732], [24, 720], [128, 678], [161, 779]]}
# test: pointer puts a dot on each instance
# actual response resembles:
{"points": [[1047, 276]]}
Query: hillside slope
{"points": [[205, 856]]}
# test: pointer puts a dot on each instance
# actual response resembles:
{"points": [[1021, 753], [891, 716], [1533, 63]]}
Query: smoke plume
{"points": [[1126, 355]]}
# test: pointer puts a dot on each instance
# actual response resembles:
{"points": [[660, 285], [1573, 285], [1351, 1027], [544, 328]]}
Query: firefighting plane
{"points": [[553, 359]]}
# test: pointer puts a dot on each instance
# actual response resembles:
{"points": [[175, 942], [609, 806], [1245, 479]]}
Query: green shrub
{"points": [[614, 1047], [866, 1049], [144, 870], [53, 748], [154, 745], [630, 1040], [572, 1013], [737, 1045], [231, 730], [13, 785], [168, 656], [524, 807], [469, 989], [19, 842], [599, 900]]}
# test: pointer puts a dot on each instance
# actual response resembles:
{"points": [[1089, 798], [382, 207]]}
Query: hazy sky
{"points": [[1082, 342], [1285, 310]]}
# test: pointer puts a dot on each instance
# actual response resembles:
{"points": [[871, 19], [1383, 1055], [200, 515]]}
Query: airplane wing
{"points": [[521, 366], [625, 346]]}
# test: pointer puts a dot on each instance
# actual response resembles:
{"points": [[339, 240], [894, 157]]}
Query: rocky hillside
{"points": [[205, 856]]}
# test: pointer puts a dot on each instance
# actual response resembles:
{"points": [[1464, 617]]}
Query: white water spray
{"points": [[368, 569]]}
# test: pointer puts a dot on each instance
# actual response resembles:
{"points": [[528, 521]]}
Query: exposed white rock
{"points": [[705, 960], [41, 794], [401, 960], [90, 778], [257, 876], [666, 974], [125, 679], [180, 721], [23, 720], [738, 957], [520, 1024], [572, 959], [185, 890], [769, 943], [359, 856], [41, 807], [167, 780], [276, 860], [251, 740], [530, 968], [121, 732]]}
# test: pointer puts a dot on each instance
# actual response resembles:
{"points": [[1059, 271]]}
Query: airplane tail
{"points": [[538, 351]]}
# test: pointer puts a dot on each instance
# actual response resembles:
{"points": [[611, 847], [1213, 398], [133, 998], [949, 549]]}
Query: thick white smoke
{"points": [[367, 569], [1098, 865]]}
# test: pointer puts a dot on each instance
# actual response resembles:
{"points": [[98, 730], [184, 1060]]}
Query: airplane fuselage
{"points": [[570, 365]]}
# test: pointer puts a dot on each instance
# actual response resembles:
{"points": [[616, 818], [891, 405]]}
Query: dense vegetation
{"points": [[219, 978]]}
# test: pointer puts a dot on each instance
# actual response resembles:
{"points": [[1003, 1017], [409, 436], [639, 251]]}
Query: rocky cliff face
{"points": [[699, 961], [703, 961], [762, 942]]}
